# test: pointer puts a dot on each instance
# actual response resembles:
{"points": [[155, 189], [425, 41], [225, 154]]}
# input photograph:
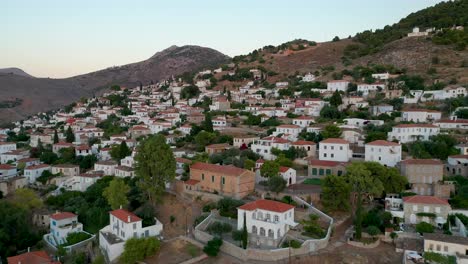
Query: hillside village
{"points": [[244, 164]]}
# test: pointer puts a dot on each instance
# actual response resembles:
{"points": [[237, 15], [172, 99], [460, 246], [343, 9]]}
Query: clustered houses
{"points": [[297, 132]]}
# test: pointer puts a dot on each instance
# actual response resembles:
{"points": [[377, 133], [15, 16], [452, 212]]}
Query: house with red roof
{"points": [[33, 257], [7, 171], [224, 180], [7, 147], [303, 121], [290, 132], [335, 149], [123, 226], [63, 224], [420, 115], [35, 171], [384, 152], [264, 145], [429, 209], [267, 221], [405, 133]]}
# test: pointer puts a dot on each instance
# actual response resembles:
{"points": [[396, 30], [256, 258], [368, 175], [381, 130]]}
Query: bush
{"points": [[212, 248], [137, 249], [373, 231], [433, 257], [424, 227], [74, 238]]}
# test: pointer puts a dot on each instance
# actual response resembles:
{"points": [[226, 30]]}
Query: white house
{"points": [[335, 149], [267, 221], [83, 150], [384, 152], [366, 88], [381, 76], [7, 171], [108, 167], [289, 131], [35, 171], [124, 171], [263, 146], [337, 85], [452, 124], [405, 133], [62, 224], [288, 174], [7, 147], [420, 115], [303, 121], [309, 77], [123, 226], [219, 123]]}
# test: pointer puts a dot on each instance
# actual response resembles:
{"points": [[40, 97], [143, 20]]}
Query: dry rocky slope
{"points": [[43, 94]]}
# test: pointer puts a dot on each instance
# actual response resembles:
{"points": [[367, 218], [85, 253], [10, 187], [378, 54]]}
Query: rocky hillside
{"points": [[14, 71], [21, 95]]}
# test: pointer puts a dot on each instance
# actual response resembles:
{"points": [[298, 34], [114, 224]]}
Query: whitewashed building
{"points": [[123, 226], [263, 146], [405, 133], [384, 152], [335, 149], [267, 221], [337, 85], [420, 115], [35, 171], [7, 147]]}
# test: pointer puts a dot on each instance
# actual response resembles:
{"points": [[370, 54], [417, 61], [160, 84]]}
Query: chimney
{"points": [[29, 249], [120, 206], [128, 217]]}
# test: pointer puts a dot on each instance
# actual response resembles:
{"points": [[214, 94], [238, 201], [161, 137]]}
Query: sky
{"points": [[57, 38]]}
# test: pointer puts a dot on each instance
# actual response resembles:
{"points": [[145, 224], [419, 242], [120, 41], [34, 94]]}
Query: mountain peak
{"points": [[15, 71]]}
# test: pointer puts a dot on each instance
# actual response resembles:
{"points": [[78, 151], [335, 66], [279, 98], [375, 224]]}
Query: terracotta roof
{"points": [[415, 125], [421, 199], [191, 182], [62, 215], [289, 126], [228, 170], [267, 205], [303, 142], [7, 143], [304, 118], [325, 163], [182, 160], [63, 144], [421, 110], [459, 156], [34, 257], [221, 145], [124, 168], [6, 167], [125, 216], [422, 161], [337, 81], [283, 169], [83, 147], [382, 143], [458, 121], [334, 141], [260, 161], [35, 167]]}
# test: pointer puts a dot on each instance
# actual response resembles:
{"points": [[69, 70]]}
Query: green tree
{"points": [[26, 199], [137, 249], [362, 183], [69, 136], [424, 227], [56, 138], [212, 247], [336, 100], [116, 193], [373, 231], [204, 138], [208, 123], [331, 131], [121, 151], [276, 184], [245, 235], [336, 193], [155, 166], [269, 169]]}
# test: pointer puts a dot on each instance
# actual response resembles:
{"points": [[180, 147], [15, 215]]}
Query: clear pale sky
{"points": [[62, 38]]}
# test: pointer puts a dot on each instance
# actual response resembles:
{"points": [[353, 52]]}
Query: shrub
{"points": [[424, 227], [137, 249], [74, 238], [212, 248]]}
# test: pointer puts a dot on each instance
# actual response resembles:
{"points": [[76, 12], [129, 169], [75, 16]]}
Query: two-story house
{"points": [[335, 149], [429, 209], [62, 224], [405, 133], [123, 226], [35, 171], [384, 152], [267, 221], [224, 180]]}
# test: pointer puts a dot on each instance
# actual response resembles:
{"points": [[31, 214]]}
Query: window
{"points": [[332, 147], [438, 248], [328, 172], [314, 171], [332, 155], [446, 248], [415, 208], [341, 147], [431, 247], [212, 178], [437, 210], [325, 147], [203, 177], [54, 223], [224, 181], [324, 155], [134, 226], [426, 209], [320, 171], [276, 218]]}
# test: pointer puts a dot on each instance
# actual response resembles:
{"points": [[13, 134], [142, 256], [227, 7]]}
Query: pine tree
{"points": [[69, 136], [56, 138], [124, 150], [245, 235], [208, 124]]}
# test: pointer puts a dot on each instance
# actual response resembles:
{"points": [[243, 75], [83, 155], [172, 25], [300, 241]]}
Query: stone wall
{"points": [[309, 246]]}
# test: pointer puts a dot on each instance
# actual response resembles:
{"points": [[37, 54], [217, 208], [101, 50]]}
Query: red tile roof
{"points": [[382, 143], [124, 215], [267, 205], [422, 161], [228, 170], [34, 257], [415, 125], [191, 182], [283, 169], [6, 167], [62, 215], [35, 167], [458, 121], [459, 156], [421, 199], [421, 110], [289, 126], [303, 142], [334, 141], [325, 163]]}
